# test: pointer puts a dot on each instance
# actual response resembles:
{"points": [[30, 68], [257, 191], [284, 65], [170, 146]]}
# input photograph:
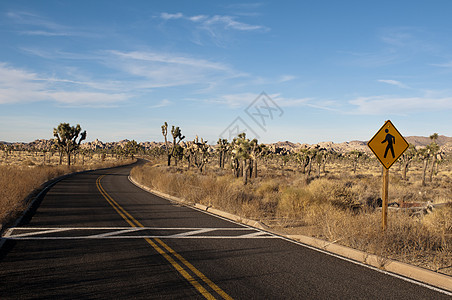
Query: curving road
{"points": [[97, 236]]}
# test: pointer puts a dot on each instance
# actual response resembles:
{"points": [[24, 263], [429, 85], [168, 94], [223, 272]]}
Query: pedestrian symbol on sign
{"points": [[390, 139]]}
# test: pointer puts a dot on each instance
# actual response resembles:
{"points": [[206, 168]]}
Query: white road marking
{"points": [[254, 235], [36, 233], [102, 235], [192, 232]]}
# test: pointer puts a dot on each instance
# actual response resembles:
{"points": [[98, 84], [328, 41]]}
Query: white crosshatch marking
{"points": [[45, 233]]}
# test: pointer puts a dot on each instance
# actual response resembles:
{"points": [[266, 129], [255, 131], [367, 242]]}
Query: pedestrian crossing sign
{"points": [[388, 144]]}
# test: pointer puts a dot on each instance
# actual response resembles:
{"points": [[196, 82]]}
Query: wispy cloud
{"points": [[34, 24], [137, 71], [395, 45], [156, 70], [22, 86], [168, 16], [386, 105], [87, 99], [394, 82], [209, 22], [245, 99], [45, 33], [163, 103], [198, 18], [285, 78], [170, 59], [229, 22], [443, 65]]}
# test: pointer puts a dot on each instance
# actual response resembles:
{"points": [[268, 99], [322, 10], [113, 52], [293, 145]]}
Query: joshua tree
{"points": [[165, 133], [131, 148], [244, 157], [4, 147], [319, 160], [223, 147], [177, 137], [44, 151], [178, 153], [406, 159], [256, 152], [83, 152], [303, 159], [355, 155], [326, 157], [434, 149], [424, 155], [311, 153], [66, 138], [198, 153]]}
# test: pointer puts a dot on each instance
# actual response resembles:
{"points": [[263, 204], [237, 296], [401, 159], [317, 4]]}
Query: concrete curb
{"points": [[431, 278], [209, 209]]}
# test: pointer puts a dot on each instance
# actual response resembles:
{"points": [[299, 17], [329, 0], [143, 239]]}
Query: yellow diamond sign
{"points": [[388, 144]]}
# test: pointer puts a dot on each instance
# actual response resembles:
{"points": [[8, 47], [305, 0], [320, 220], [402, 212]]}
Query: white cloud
{"points": [[229, 22], [245, 99], [292, 102], [164, 70], [167, 16], [399, 105], [286, 78], [33, 24], [22, 86], [198, 18], [44, 33], [393, 82], [208, 22], [170, 59], [443, 65], [87, 99], [163, 103], [236, 100]]}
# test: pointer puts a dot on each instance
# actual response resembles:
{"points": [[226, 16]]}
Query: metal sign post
{"points": [[387, 145], [384, 203]]}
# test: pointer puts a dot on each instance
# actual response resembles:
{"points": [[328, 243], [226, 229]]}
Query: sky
{"points": [[302, 71]]}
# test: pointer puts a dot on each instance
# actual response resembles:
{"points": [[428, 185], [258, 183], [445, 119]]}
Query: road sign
{"points": [[388, 144]]}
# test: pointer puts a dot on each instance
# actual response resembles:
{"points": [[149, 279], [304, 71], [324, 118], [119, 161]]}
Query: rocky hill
{"points": [[419, 141]]}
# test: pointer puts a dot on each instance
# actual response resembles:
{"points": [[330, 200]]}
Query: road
{"points": [[97, 236]]}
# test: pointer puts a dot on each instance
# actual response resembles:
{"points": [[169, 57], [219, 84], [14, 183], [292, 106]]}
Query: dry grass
{"points": [[330, 207], [20, 175]]}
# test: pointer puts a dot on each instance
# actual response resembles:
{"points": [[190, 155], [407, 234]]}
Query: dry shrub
{"points": [[315, 197], [339, 193], [269, 195], [440, 220], [16, 183], [294, 202]]}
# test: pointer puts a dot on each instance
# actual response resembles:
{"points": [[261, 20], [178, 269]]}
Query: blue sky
{"points": [[303, 71]]}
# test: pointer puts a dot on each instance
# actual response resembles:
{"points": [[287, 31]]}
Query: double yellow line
{"points": [[174, 258]]}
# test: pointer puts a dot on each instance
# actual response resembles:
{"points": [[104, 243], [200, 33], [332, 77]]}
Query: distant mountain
{"points": [[419, 141], [422, 141]]}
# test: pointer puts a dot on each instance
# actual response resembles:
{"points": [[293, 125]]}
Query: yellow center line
{"points": [[135, 223]]}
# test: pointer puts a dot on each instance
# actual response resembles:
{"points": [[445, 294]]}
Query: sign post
{"points": [[387, 145], [384, 202]]}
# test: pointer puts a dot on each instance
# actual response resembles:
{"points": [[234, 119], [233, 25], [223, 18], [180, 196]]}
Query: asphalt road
{"points": [[96, 235]]}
